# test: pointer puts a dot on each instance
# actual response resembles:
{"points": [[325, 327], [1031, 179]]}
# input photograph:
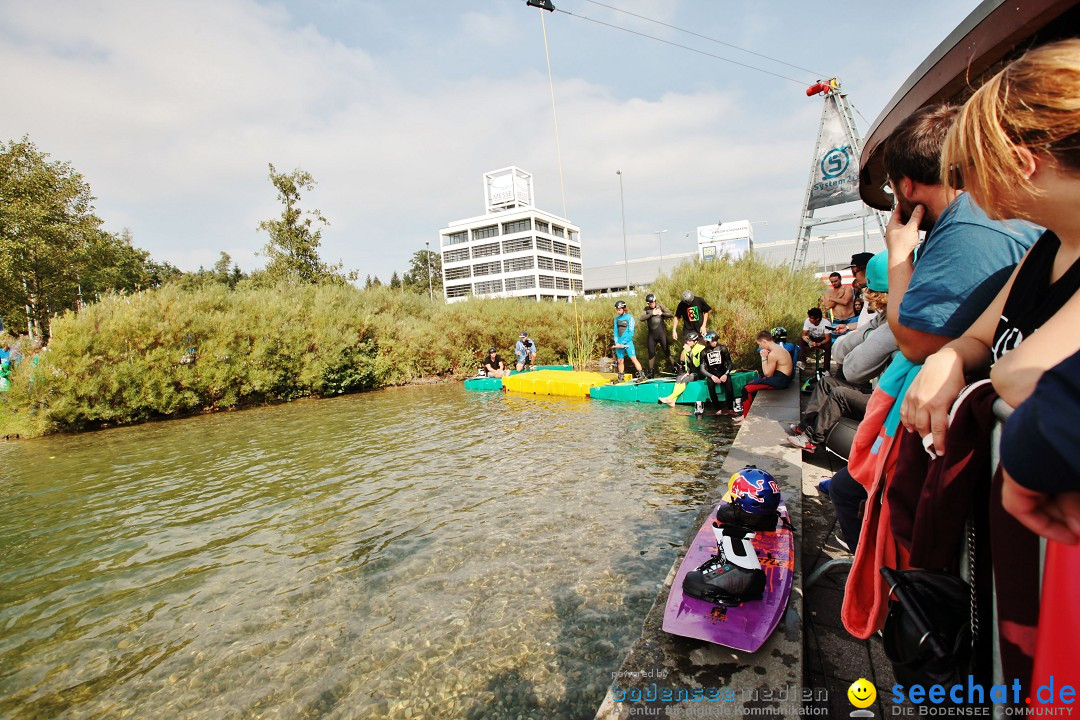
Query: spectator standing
{"points": [[694, 312]]}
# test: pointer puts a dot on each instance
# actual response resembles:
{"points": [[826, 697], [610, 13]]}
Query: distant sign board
{"points": [[836, 167], [509, 187], [733, 239]]}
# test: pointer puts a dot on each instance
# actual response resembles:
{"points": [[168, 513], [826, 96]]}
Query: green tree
{"points": [[53, 252], [416, 278], [395, 281], [293, 250]]}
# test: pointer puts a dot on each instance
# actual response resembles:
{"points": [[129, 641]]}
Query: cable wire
{"points": [[684, 47], [555, 116], [706, 37]]}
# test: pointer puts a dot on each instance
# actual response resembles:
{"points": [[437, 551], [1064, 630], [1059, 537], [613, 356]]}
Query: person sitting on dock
{"points": [[525, 350], [691, 359], [654, 316], [716, 368], [815, 334], [494, 364], [694, 312], [776, 368], [623, 330]]}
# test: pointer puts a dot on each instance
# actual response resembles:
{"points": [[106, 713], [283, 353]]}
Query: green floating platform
{"points": [[653, 390], [488, 383]]}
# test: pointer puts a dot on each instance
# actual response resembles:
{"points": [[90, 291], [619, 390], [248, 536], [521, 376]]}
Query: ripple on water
{"points": [[419, 552]]}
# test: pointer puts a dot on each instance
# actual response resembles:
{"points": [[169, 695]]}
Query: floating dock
{"points": [[556, 382]]}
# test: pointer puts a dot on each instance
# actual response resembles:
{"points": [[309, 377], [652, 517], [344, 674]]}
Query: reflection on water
{"points": [[418, 552]]}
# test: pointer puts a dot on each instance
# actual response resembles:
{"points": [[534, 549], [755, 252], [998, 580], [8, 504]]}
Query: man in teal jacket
{"points": [[623, 330]]}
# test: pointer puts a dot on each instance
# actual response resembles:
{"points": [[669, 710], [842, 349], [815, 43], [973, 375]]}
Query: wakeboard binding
{"points": [[733, 576]]}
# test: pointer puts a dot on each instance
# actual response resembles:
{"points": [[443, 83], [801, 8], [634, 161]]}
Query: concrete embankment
{"points": [[766, 684]]}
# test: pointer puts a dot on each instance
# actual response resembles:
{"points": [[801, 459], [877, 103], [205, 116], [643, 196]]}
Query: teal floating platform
{"points": [[652, 390]]}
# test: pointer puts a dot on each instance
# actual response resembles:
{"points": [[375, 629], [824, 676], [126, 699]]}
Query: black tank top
{"points": [[1033, 299]]}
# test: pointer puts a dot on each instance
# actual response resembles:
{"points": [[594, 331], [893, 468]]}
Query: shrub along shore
{"points": [[173, 352]]}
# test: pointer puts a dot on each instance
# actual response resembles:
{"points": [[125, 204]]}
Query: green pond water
{"points": [[422, 552]]}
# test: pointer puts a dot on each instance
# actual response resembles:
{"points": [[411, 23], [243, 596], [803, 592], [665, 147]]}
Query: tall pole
{"points": [[659, 241], [427, 254], [626, 258]]}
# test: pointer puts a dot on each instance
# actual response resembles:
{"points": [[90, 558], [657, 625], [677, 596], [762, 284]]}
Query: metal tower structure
{"points": [[834, 169]]}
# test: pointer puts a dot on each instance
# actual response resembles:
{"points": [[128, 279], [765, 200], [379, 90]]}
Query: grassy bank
{"points": [[173, 352]]}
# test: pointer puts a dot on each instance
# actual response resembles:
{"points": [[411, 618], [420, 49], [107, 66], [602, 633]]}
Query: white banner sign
{"points": [[836, 168]]}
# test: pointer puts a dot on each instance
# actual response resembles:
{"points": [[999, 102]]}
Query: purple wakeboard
{"points": [[746, 626]]}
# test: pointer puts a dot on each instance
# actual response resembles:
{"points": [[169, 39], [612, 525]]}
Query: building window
{"points": [[488, 268], [543, 226], [485, 250], [515, 264], [574, 251], [574, 234], [485, 232], [517, 226], [575, 268], [561, 265], [487, 287], [455, 238], [558, 231], [576, 284], [545, 263], [559, 248], [525, 282], [543, 244], [456, 255], [456, 291], [511, 246], [562, 283], [457, 273], [548, 282]]}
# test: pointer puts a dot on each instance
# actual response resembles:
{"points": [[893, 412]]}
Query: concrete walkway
{"points": [[771, 680]]}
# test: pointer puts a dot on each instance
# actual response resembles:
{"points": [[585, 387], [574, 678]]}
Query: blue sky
{"points": [[172, 111]]}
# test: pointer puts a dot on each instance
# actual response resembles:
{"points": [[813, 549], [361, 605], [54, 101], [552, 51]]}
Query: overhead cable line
{"points": [[710, 39], [684, 47]]}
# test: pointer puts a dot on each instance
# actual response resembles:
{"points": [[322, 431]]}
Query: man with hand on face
{"points": [[966, 257]]}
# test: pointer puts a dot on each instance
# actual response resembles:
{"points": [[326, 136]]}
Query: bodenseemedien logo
{"points": [[862, 695]]}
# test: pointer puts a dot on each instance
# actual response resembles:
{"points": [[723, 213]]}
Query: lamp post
{"points": [[660, 242], [427, 258], [626, 258]]}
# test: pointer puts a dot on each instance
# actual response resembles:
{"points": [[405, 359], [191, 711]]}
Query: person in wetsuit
{"points": [[623, 331], [691, 359], [716, 369], [654, 316]]}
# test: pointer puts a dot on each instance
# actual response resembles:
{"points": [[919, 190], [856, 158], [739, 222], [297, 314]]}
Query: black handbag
{"points": [[927, 633]]}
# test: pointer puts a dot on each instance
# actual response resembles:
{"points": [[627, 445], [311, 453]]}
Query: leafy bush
{"points": [[177, 350]]}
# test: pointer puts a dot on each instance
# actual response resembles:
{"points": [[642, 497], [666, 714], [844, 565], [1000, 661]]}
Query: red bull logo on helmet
{"points": [[754, 490]]}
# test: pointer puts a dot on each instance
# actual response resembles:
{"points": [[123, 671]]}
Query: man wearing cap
{"points": [[494, 364], [867, 353], [623, 331], [858, 270], [654, 316], [525, 350], [694, 312]]}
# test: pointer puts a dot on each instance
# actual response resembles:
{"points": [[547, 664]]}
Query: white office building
{"points": [[514, 249]]}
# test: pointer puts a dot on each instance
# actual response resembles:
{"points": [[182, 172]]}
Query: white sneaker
{"points": [[800, 365]]}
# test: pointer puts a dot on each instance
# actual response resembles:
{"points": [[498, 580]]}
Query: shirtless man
{"points": [[776, 369], [840, 299]]}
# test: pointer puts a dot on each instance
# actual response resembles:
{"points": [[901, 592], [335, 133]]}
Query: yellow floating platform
{"points": [[556, 382]]}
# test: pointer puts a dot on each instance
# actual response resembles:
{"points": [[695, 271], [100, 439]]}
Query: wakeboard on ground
{"points": [[744, 608]]}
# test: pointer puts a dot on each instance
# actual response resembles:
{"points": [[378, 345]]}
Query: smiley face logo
{"points": [[862, 694]]}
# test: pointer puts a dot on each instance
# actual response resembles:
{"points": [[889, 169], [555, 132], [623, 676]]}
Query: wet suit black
{"points": [[716, 364], [657, 333]]}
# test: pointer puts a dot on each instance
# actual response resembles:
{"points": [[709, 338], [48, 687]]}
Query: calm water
{"points": [[411, 553]]}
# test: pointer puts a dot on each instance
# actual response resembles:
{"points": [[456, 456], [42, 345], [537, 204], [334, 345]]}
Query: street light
{"points": [[626, 258], [427, 257], [659, 241]]}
